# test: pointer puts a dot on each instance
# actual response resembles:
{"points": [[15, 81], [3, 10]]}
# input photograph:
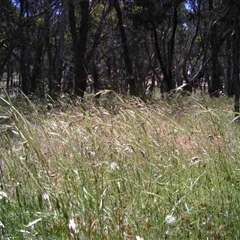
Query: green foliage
{"points": [[144, 172], [97, 13], [198, 40], [40, 23]]}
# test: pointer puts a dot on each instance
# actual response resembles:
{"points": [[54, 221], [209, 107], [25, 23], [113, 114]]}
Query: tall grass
{"points": [[121, 170]]}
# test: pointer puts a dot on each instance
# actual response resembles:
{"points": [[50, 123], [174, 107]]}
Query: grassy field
{"points": [[122, 170]]}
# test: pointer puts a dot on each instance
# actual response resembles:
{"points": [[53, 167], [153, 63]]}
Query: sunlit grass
{"points": [[124, 169]]}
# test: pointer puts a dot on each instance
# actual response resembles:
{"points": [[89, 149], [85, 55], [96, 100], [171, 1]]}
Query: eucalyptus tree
{"points": [[236, 55], [59, 39], [24, 49], [97, 34], [79, 32], [33, 40], [214, 42], [206, 48], [190, 28], [29, 40], [161, 19], [219, 32], [54, 22], [233, 21], [126, 53], [7, 37]]}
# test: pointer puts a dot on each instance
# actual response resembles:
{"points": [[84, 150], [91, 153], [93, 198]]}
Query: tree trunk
{"points": [[229, 81], [126, 54], [161, 62], [185, 75], [166, 59], [25, 76], [97, 35], [215, 80], [60, 46], [51, 81], [35, 74], [79, 45], [236, 62], [171, 44]]}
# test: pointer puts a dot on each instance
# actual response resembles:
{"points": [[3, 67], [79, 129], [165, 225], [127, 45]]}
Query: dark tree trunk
{"points": [[97, 35], [60, 47], [229, 81], [166, 58], [171, 82], [51, 83], [109, 68], [80, 45], [236, 62], [126, 54], [161, 62], [35, 75], [25, 76], [9, 75], [215, 80], [185, 75], [6, 59]]}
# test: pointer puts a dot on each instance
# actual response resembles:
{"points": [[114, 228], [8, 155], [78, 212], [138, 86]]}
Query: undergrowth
{"points": [[122, 169]]}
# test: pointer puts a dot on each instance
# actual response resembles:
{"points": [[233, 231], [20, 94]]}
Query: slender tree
{"points": [[126, 54], [79, 38]]}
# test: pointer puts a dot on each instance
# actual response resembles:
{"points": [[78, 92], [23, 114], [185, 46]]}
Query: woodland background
{"points": [[127, 46]]}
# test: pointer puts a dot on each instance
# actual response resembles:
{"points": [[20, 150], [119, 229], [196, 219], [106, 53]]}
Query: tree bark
{"points": [[160, 59], [165, 57], [229, 81], [79, 45], [171, 45], [97, 35], [25, 76], [126, 54], [60, 46], [215, 80], [236, 55]]}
